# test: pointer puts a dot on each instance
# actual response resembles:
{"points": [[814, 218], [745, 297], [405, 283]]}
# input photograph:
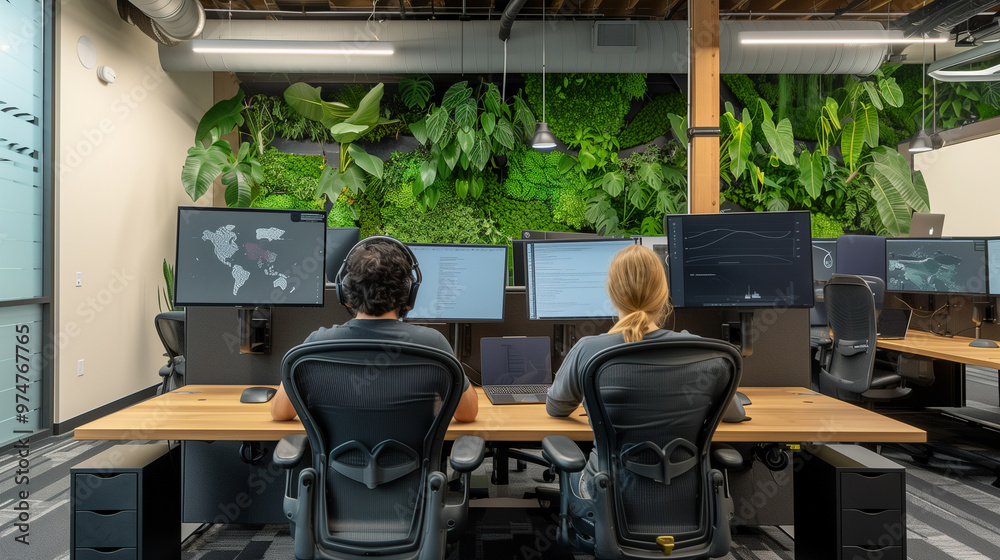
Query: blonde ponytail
{"points": [[637, 285]]}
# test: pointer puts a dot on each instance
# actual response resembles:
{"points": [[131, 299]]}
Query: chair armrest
{"points": [[467, 453], [563, 453], [290, 450], [726, 456]]}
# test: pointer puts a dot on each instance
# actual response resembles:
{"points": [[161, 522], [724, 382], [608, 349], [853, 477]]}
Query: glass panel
{"points": [[22, 79], [21, 412]]}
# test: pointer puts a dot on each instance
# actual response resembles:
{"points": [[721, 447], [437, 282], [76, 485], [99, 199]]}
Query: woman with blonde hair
{"points": [[637, 285]]}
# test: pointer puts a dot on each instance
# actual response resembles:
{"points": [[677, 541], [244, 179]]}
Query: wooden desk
{"points": [[954, 349], [213, 412]]}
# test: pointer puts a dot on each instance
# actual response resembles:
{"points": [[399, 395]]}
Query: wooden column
{"points": [[703, 111]]}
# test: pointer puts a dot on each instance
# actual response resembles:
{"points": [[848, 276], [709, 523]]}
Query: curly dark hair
{"points": [[377, 277]]}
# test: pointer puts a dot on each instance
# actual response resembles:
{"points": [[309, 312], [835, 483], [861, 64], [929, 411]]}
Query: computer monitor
{"points": [[537, 234], [942, 266], [993, 271], [249, 257], [339, 242], [744, 259], [824, 257], [517, 261], [863, 255], [565, 279], [461, 283]]}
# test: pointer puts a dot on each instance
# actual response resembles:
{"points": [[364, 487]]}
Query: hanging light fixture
{"points": [[922, 141], [543, 140]]}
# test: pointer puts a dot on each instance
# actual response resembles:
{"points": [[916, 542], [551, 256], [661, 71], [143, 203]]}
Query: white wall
{"points": [[119, 151], [963, 181]]}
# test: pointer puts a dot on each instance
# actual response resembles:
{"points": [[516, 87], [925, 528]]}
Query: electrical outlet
{"points": [[79, 368], [79, 279]]}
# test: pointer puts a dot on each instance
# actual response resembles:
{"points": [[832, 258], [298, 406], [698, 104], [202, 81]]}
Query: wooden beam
{"points": [[703, 111]]}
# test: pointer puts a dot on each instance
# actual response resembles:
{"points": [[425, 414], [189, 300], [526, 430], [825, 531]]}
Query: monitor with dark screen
{"points": [[824, 257], [339, 242], [746, 259], [461, 283], [945, 266], [249, 257], [863, 255], [993, 252], [564, 279]]}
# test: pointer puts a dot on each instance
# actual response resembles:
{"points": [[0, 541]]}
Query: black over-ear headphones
{"points": [[415, 278]]}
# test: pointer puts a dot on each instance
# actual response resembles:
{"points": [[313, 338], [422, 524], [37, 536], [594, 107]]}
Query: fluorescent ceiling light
{"points": [[980, 64], [831, 38], [249, 46]]}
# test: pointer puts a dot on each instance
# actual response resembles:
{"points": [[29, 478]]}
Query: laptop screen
{"points": [[516, 360]]}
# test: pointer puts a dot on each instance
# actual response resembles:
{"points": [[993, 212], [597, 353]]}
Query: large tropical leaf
{"points": [[224, 115], [811, 172], [493, 101], [306, 101], [891, 166], [489, 122], [781, 139], [480, 152], [504, 134], [867, 120], [346, 132], [239, 187], [892, 209], [523, 115], [678, 124], [371, 164], [450, 154], [613, 183], [419, 130], [921, 189], [851, 141], [873, 94], [354, 179], [202, 166], [428, 172], [328, 182], [436, 123], [466, 138], [368, 111], [456, 94], [739, 149], [891, 92], [465, 114], [651, 173]]}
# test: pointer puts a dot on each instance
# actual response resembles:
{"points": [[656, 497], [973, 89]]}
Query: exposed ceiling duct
{"points": [[940, 16], [167, 22], [456, 47]]}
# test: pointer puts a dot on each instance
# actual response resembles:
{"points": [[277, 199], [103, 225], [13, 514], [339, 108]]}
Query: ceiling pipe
{"points": [[508, 17], [455, 47], [940, 16], [166, 21]]}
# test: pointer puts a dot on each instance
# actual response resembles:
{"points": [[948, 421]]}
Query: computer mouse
{"points": [[735, 413], [257, 394]]}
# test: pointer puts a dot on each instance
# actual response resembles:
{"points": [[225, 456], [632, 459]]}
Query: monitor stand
{"points": [[977, 319], [255, 330]]}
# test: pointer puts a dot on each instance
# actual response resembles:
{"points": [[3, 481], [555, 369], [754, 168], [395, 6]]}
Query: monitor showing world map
{"points": [[249, 257]]}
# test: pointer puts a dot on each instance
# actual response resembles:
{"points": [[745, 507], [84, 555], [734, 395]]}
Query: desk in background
{"points": [[957, 350]]}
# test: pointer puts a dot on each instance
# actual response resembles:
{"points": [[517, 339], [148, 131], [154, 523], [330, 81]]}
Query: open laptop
{"points": [[516, 369], [926, 225], [892, 324]]}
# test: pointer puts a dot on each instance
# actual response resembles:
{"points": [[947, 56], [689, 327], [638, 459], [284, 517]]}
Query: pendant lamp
{"points": [[543, 140], [922, 141]]}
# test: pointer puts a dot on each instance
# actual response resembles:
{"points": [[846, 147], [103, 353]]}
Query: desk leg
{"points": [[501, 465]]}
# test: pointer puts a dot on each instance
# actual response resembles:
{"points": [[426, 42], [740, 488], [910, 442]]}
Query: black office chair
{"points": [[654, 406], [375, 415], [851, 374], [170, 328]]}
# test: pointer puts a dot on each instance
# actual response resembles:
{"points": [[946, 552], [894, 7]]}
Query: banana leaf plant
{"points": [[213, 156], [347, 124]]}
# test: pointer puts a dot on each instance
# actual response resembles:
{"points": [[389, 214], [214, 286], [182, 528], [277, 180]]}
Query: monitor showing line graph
{"points": [[752, 259]]}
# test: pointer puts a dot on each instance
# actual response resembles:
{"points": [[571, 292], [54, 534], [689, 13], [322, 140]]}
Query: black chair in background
{"points": [[654, 406], [850, 375], [170, 328], [375, 415]]}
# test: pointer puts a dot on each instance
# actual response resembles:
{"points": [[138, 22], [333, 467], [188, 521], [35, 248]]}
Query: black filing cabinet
{"points": [[850, 504], [126, 505]]}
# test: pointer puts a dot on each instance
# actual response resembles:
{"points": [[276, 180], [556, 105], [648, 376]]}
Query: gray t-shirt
{"points": [[385, 329], [566, 392]]}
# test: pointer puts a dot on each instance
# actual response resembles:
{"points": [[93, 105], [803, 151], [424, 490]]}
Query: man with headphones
{"points": [[378, 283]]}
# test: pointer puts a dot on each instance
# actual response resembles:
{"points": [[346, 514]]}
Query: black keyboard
{"points": [[516, 389]]}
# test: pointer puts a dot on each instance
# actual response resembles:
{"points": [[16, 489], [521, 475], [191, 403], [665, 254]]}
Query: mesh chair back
{"points": [[654, 407], [170, 328], [850, 308], [375, 413]]}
